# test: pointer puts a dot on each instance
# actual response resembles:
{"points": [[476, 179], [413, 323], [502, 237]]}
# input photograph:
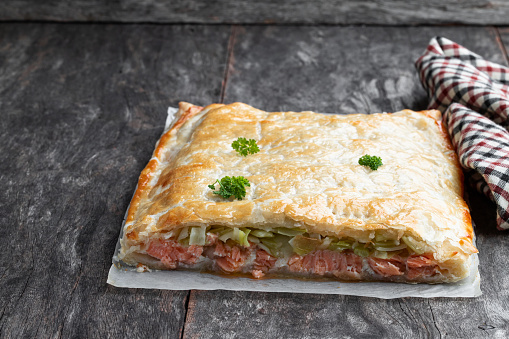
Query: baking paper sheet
{"points": [[121, 275]]}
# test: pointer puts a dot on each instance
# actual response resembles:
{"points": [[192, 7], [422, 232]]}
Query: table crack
{"points": [[501, 45], [186, 308], [229, 61], [434, 320], [412, 316]]}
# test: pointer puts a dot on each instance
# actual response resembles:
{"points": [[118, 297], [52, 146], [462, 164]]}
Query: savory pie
{"points": [[310, 210]]}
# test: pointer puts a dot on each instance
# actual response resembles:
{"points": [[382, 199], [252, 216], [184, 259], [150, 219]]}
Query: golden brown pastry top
{"points": [[306, 175]]}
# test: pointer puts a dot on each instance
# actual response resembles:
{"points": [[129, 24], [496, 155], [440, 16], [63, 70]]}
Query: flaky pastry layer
{"points": [[307, 176]]}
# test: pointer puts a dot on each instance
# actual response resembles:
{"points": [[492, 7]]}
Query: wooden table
{"points": [[81, 107]]}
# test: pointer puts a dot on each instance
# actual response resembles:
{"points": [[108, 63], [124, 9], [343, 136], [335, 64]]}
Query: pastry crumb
{"points": [[140, 268]]}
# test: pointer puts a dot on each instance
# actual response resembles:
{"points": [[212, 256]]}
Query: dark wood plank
{"points": [[337, 69], [352, 69], [82, 107], [391, 12]]}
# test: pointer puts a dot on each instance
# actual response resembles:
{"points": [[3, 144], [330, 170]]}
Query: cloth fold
{"points": [[473, 96]]}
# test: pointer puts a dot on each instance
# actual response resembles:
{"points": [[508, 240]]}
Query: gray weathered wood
{"points": [[81, 109], [346, 69], [338, 69], [391, 12]]}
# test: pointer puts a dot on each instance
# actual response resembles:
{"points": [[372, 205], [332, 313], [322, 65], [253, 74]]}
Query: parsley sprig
{"points": [[245, 147], [231, 186], [372, 162]]}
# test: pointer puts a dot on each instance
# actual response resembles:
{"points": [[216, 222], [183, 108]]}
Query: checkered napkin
{"points": [[474, 94]]}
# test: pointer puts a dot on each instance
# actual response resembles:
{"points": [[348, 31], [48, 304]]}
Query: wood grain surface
{"points": [[81, 108], [338, 69], [388, 12]]}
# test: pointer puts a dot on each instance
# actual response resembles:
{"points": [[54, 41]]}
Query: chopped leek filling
{"points": [[281, 242]]}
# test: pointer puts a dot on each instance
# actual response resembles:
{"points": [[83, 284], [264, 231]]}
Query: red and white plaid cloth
{"points": [[474, 94]]}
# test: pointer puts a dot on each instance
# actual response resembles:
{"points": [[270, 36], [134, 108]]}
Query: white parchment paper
{"points": [[121, 275]]}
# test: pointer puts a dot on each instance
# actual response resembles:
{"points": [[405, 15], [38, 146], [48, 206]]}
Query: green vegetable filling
{"points": [[282, 241]]}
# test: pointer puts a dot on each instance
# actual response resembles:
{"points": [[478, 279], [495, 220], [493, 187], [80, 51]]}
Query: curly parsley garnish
{"points": [[372, 162], [229, 186], [245, 147]]}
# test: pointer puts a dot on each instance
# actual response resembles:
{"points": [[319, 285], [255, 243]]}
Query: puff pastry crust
{"points": [[307, 176]]}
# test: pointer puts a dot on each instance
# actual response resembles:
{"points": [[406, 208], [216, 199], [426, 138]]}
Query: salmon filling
{"points": [[230, 257]]}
